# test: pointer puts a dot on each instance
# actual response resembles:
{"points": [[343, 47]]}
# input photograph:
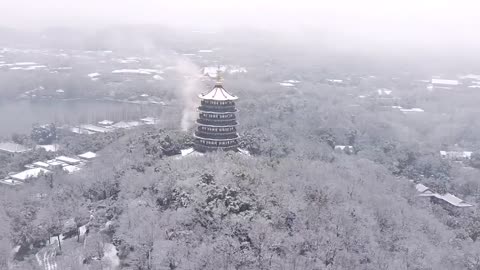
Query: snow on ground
{"points": [[24, 64], [28, 67], [141, 71], [158, 77], [110, 257], [71, 169], [244, 152], [414, 110], [470, 76], [93, 75], [205, 51], [335, 80], [48, 147], [289, 83], [188, 152]]}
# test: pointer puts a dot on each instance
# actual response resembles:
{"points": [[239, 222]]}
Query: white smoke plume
{"points": [[189, 90]]}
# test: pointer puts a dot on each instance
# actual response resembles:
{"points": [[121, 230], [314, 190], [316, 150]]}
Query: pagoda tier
{"points": [[216, 123]]}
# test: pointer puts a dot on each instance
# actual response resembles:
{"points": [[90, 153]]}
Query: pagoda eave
{"points": [[217, 126], [217, 140], [200, 110]]}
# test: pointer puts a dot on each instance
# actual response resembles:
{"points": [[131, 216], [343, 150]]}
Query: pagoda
{"points": [[217, 124]]}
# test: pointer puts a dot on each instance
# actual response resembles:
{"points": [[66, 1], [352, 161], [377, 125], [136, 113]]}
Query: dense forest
{"points": [[295, 203]]}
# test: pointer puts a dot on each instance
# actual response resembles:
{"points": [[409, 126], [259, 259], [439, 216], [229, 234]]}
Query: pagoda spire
{"points": [[219, 76]]}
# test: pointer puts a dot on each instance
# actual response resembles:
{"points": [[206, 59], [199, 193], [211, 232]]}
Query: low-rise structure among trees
{"points": [[12, 148], [444, 199], [456, 155]]}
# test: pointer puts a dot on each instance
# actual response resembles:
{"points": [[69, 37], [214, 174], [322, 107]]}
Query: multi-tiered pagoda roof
{"points": [[217, 123]]}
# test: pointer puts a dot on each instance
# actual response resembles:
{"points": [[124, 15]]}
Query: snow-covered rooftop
{"points": [[88, 155], [452, 199], [384, 91], [447, 197], [445, 82], [106, 122], [343, 147], [123, 124], [158, 77], [421, 188], [335, 80], [41, 164], [28, 67], [470, 76], [411, 110], [149, 120], [218, 93], [55, 163], [12, 147], [71, 169], [141, 71], [68, 160], [94, 128], [456, 154], [48, 147], [93, 75], [11, 182], [81, 131], [30, 173]]}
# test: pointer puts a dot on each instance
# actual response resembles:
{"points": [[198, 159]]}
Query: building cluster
{"points": [[347, 149], [36, 169], [445, 199], [469, 81], [105, 126], [456, 155]]}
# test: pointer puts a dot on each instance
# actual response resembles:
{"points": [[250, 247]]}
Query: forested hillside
{"points": [[294, 203]]}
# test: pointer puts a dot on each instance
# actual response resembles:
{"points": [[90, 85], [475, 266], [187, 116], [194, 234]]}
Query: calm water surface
{"points": [[20, 116]]}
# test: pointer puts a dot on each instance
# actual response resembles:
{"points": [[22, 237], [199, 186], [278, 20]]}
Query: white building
{"points": [[344, 149], [444, 84], [87, 156], [447, 198], [68, 160], [28, 174], [456, 155], [13, 148]]}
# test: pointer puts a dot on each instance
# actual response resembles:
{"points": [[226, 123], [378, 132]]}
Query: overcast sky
{"points": [[453, 23]]}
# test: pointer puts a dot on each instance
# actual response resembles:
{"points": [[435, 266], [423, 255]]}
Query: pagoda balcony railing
{"points": [[210, 102], [224, 136], [216, 142], [217, 130], [219, 109], [216, 123], [219, 117]]}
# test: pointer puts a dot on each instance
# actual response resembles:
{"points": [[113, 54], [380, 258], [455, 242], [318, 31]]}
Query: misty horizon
{"points": [[409, 25]]}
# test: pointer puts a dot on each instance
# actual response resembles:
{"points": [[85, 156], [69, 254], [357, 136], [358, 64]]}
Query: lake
{"points": [[19, 116]]}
